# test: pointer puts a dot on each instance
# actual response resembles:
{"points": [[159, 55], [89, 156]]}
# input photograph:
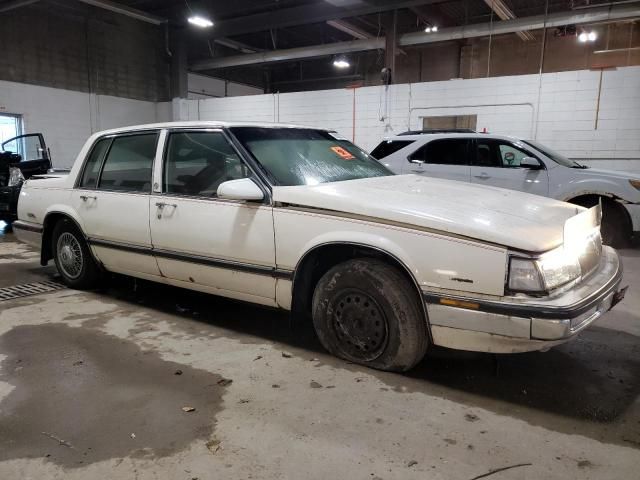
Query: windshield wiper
{"points": [[577, 165]]}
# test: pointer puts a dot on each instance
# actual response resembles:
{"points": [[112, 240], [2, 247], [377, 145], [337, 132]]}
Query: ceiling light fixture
{"points": [[587, 36], [199, 21], [341, 62]]}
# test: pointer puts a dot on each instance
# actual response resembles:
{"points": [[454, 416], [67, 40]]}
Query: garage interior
{"points": [[94, 384]]}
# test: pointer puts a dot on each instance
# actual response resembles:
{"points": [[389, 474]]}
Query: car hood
{"points": [[609, 174], [495, 215]]}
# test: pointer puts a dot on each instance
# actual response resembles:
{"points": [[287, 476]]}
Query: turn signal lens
{"points": [[635, 184], [524, 276]]}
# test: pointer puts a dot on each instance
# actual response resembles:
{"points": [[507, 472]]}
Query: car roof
{"points": [[205, 124], [433, 136]]}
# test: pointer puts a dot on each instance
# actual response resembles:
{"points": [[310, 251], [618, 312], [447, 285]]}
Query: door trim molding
{"points": [[196, 259]]}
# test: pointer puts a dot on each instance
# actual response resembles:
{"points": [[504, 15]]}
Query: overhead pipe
{"points": [[603, 14]]}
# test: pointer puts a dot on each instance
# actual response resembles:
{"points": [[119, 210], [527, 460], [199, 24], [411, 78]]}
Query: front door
{"points": [[497, 163], [30, 153], [221, 246], [441, 158], [112, 199]]}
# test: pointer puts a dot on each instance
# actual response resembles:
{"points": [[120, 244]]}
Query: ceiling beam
{"points": [[235, 45], [305, 14], [349, 29], [603, 14], [505, 13], [5, 7], [127, 11]]}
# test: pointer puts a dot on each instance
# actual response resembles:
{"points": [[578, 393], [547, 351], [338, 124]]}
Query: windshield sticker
{"points": [[342, 153]]}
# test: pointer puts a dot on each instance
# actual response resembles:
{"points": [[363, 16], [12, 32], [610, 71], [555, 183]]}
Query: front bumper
{"points": [[521, 324], [9, 202]]}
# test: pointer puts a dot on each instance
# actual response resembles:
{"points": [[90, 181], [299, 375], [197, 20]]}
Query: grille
{"points": [[28, 289]]}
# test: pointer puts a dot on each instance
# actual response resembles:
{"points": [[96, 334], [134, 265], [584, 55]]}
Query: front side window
{"points": [[446, 151], [196, 163], [129, 163], [498, 153], [301, 156], [29, 147], [511, 156]]}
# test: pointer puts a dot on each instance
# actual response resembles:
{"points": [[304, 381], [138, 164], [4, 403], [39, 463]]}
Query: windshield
{"points": [[301, 156], [553, 155]]}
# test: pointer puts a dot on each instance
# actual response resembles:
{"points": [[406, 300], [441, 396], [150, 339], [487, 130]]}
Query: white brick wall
{"points": [[67, 118], [558, 109]]}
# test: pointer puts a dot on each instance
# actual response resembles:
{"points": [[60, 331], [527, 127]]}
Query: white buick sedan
{"points": [[301, 219]]}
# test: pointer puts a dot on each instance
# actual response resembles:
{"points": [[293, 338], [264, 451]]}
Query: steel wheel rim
{"points": [[69, 254], [359, 325]]}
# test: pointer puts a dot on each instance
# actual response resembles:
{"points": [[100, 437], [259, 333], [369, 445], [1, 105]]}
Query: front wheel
{"points": [[367, 312], [72, 256]]}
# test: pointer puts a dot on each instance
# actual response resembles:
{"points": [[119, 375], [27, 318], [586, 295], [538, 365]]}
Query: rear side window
{"points": [[447, 151], [388, 147], [129, 163], [94, 162]]}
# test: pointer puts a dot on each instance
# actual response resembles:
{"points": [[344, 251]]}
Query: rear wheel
{"points": [[72, 256], [367, 312]]}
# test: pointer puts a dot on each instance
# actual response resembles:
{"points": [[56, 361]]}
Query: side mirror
{"points": [[530, 163], [242, 189]]}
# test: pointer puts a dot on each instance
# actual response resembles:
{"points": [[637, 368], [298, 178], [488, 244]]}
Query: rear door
{"points": [[442, 158], [32, 151], [496, 162], [112, 199]]}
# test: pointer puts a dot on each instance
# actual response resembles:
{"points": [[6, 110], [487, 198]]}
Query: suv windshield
{"points": [[301, 156], [553, 155]]}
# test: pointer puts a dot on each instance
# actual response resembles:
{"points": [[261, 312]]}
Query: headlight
{"points": [[559, 266], [555, 268], [635, 184], [15, 177]]}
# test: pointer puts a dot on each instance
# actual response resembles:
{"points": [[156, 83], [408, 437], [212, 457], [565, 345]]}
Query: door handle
{"points": [[84, 198], [161, 206], [482, 176]]}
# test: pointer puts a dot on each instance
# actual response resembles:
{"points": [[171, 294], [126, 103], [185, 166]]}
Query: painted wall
{"points": [[203, 86], [559, 109], [67, 118]]}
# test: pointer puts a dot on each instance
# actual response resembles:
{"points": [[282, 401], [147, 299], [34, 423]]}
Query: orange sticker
{"points": [[342, 153]]}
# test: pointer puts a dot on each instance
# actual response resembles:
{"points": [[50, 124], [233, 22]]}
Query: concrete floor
{"points": [[92, 385]]}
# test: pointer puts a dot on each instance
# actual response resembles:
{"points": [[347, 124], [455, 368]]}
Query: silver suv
{"points": [[524, 165]]}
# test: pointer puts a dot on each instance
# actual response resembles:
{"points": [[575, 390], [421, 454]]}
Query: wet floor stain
{"points": [[81, 396]]}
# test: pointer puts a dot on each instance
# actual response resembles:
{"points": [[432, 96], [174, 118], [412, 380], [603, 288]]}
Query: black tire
{"points": [[615, 228], [82, 276], [367, 312]]}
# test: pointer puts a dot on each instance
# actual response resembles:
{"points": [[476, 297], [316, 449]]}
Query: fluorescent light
{"points": [[583, 37], [200, 21], [341, 63], [592, 36]]}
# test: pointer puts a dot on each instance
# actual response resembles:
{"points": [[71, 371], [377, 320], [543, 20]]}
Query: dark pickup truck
{"points": [[20, 158]]}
